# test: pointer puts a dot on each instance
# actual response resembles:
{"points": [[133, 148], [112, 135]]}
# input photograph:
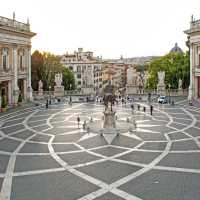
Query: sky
{"points": [[109, 28]]}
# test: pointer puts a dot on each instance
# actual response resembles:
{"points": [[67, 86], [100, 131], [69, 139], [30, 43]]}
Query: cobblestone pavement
{"points": [[45, 156]]}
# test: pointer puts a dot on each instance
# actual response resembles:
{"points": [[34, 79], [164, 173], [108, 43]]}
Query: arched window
{"points": [[21, 60], [5, 63]]}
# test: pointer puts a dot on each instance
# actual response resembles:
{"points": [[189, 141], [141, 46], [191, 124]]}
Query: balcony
{"points": [[14, 24], [197, 70]]}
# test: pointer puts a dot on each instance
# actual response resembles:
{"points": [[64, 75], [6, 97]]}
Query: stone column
{"points": [[9, 93], [190, 94], [15, 81], [25, 89], [29, 87]]}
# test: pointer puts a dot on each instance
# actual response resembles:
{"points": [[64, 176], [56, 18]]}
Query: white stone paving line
{"points": [[5, 127], [131, 195], [2, 176], [149, 166], [80, 174], [34, 172], [5, 153], [12, 114], [176, 169], [16, 132], [7, 182]]}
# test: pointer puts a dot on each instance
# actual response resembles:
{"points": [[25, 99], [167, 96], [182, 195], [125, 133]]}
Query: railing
{"points": [[14, 24]]}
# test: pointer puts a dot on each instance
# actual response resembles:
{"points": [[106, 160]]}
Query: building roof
{"points": [[176, 49]]}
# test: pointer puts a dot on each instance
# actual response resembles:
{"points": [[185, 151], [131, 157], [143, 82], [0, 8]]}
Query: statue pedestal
{"points": [[161, 89], [131, 89], [59, 91], [40, 93], [109, 119], [180, 92], [87, 90]]}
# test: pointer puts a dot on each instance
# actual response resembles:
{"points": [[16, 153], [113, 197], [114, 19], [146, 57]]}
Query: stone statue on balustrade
{"points": [[161, 83], [180, 84], [131, 84], [130, 76], [180, 87], [58, 88], [58, 79], [161, 78], [40, 88], [88, 87]]}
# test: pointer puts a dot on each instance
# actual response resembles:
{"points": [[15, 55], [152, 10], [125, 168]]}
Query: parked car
{"points": [[162, 99]]}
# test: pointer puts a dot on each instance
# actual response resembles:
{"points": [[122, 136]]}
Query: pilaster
{"points": [[29, 87], [15, 81]]}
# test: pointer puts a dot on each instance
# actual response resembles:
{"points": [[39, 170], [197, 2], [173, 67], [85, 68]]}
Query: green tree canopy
{"points": [[175, 65], [36, 66], [47, 65]]}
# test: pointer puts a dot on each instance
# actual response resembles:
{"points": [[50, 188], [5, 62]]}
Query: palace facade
{"points": [[194, 42], [15, 60], [86, 68]]}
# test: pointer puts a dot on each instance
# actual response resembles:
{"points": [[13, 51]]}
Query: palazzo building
{"points": [[194, 42], [15, 60], [86, 68]]}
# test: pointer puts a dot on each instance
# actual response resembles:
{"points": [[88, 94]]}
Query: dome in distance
{"points": [[176, 49]]}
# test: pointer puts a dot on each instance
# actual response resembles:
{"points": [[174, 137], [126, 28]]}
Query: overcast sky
{"points": [[107, 27]]}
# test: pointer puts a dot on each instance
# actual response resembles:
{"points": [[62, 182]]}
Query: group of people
{"points": [[144, 108]]}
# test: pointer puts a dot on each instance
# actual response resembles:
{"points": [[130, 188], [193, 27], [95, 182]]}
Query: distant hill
{"points": [[134, 60]]}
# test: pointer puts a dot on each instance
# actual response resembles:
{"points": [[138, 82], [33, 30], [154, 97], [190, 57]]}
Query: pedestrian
{"points": [[132, 108], [47, 104], [70, 100], [138, 106], [144, 109], [151, 110], [122, 101], [78, 121], [84, 125]]}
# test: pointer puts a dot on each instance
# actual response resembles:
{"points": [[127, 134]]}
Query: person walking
{"points": [[78, 121], [138, 106], [151, 109], [132, 108], [144, 109], [47, 104]]}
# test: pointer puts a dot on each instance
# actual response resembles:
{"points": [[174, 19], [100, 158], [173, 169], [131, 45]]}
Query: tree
{"points": [[175, 65], [36, 66], [44, 67], [68, 79], [51, 66]]}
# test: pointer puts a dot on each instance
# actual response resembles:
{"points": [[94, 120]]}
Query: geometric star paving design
{"points": [[44, 155]]}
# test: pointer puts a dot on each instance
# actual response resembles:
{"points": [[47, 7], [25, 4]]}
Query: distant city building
{"points": [[87, 69], [94, 72], [15, 59], [194, 42], [116, 72], [176, 49]]}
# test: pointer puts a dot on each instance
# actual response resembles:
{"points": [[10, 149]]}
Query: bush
{"points": [[3, 102]]}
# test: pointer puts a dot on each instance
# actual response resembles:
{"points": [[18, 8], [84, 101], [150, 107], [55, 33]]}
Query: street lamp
{"points": [[169, 93], [50, 95], [70, 98]]}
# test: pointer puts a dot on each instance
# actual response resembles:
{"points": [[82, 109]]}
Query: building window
{"points": [[21, 62], [5, 58], [78, 68], [78, 75], [199, 59]]}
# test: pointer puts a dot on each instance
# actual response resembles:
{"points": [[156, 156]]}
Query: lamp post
{"points": [[70, 98], [50, 95], [169, 93]]}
